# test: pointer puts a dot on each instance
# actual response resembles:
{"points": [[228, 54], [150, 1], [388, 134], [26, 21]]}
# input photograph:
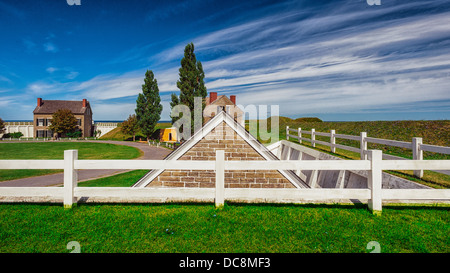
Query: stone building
{"points": [[42, 116], [222, 132], [215, 104]]}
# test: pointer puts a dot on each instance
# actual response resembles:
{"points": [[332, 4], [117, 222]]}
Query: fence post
{"points": [[313, 137], [287, 132], [220, 178], [417, 154], [299, 130], [363, 145], [70, 177], [332, 141], [374, 180]]}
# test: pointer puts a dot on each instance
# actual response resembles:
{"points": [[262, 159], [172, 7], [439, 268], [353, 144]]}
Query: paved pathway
{"points": [[150, 152]]}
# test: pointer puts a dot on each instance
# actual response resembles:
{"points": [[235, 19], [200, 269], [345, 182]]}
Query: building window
{"points": [[78, 121], [49, 122], [40, 133], [40, 122], [170, 136]]}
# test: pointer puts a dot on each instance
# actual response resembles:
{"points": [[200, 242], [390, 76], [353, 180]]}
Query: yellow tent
{"points": [[168, 135]]}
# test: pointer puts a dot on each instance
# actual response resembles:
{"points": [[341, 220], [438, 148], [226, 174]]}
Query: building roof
{"points": [[221, 100], [51, 106], [207, 128]]}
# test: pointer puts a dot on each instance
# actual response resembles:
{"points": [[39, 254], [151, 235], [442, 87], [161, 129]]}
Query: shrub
{"points": [[13, 135], [75, 134]]}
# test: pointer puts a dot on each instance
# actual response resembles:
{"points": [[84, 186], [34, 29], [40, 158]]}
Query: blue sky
{"points": [[337, 60]]}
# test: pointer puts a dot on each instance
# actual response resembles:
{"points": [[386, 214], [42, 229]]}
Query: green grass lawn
{"points": [[238, 228], [55, 150], [126, 179]]}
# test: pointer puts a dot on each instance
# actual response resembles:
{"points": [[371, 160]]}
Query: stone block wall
{"points": [[236, 148]]}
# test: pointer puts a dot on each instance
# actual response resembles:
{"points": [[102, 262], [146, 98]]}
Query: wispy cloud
{"points": [[50, 47], [51, 69], [348, 69], [5, 79], [308, 57], [72, 75], [323, 63]]}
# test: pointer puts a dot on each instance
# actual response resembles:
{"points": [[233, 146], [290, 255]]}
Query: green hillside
{"points": [[117, 134], [434, 132]]}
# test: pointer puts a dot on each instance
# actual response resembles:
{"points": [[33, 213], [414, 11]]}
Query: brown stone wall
{"points": [[222, 138]]}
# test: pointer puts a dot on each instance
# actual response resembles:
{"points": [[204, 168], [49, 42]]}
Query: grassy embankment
{"points": [[55, 150], [435, 132], [117, 134], [194, 228]]}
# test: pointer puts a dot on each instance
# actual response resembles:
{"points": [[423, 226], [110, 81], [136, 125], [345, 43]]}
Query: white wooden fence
{"points": [[374, 195], [24, 127], [415, 145]]}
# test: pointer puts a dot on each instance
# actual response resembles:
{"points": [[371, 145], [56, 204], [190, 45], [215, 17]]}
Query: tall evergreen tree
{"points": [[175, 101], [148, 105], [191, 82]]}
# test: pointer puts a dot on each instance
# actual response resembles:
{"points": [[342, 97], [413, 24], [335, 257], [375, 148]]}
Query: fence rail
{"points": [[374, 195], [18, 123], [415, 145]]}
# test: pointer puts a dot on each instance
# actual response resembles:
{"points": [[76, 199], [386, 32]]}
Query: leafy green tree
{"points": [[191, 83], [148, 105], [63, 122], [130, 126]]}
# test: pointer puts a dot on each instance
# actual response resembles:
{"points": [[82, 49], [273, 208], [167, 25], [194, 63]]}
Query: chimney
{"points": [[233, 99], [84, 102], [212, 97], [39, 102]]}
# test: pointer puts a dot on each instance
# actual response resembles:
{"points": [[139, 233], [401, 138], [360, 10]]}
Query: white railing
{"points": [[374, 194], [15, 123], [415, 145]]}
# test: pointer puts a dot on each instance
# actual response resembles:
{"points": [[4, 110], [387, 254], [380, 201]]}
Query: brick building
{"points": [[215, 104], [42, 116], [222, 132]]}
